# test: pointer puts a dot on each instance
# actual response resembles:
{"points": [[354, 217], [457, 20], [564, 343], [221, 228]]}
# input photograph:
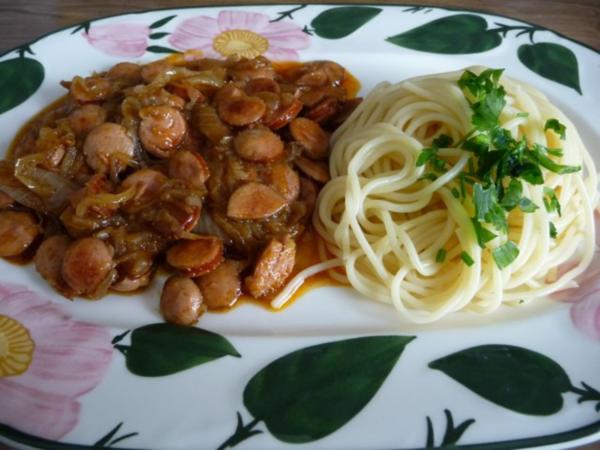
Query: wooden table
{"points": [[21, 22]]}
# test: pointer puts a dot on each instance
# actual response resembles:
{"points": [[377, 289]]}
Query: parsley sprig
{"points": [[499, 165]]}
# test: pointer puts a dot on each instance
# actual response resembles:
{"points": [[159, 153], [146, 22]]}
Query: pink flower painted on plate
{"points": [[243, 33], [585, 298], [47, 360], [119, 39]]}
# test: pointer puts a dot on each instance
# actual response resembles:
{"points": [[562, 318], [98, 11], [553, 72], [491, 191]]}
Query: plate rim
{"points": [[583, 433], [241, 5]]}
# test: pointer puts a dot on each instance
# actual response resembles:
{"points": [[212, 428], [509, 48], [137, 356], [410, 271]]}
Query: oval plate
{"points": [[332, 370]]}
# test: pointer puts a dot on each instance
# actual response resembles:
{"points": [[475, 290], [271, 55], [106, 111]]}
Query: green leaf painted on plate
{"points": [[552, 61], [514, 377], [456, 34], [161, 22], [452, 434], [160, 49], [162, 349], [19, 79], [158, 35], [110, 438], [308, 394], [107, 441], [336, 23]]}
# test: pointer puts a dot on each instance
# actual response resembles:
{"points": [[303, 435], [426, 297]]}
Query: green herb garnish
{"points": [[440, 256], [550, 201], [505, 254], [527, 205], [498, 166], [553, 232], [467, 259], [557, 127], [429, 154], [483, 235]]}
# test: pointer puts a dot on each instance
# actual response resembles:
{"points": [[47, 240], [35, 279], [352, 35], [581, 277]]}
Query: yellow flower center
{"points": [[16, 347], [240, 42]]}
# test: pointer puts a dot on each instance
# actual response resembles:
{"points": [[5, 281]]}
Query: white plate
{"points": [[352, 394]]}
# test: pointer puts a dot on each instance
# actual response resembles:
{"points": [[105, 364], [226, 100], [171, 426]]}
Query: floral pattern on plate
{"points": [[42, 372], [241, 33]]}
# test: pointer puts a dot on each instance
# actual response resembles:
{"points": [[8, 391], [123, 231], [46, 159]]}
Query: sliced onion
{"points": [[105, 200], [208, 226], [25, 197], [71, 162], [43, 182]]}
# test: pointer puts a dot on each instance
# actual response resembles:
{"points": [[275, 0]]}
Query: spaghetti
{"points": [[406, 237]]}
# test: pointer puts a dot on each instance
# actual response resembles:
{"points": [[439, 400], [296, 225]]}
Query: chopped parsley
{"points": [[527, 205], [440, 256], [467, 259], [557, 127], [550, 201], [498, 166], [428, 176], [553, 232], [483, 235], [429, 154], [505, 254]]}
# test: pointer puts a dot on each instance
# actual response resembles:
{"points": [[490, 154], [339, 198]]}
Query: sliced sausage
{"points": [[174, 218], [49, 257], [257, 85], [181, 301], [83, 120], [228, 92], [91, 89], [108, 146], [308, 193], [154, 69], [335, 72], [288, 109], [258, 145], [241, 111], [129, 73], [17, 232], [317, 170], [147, 183], [324, 111], [86, 264], [161, 130], [285, 180], [5, 200], [222, 287], [196, 257], [311, 136], [190, 167], [254, 201], [135, 271], [247, 69], [274, 266], [130, 284], [314, 78]]}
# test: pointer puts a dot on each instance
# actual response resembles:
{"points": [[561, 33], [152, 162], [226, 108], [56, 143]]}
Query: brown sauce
{"points": [[306, 241], [306, 255]]}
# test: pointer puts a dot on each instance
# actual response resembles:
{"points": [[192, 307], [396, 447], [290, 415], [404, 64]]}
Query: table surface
{"points": [[23, 21]]}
